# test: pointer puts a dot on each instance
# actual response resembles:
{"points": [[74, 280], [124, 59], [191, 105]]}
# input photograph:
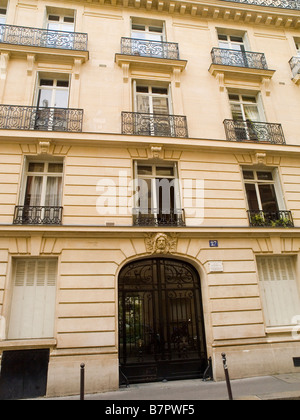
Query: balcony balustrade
{"points": [[38, 215], [143, 217], [147, 48], [35, 37], [144, 124], [282, 4], [14, 117], [254, 131], [282, 218], [236, 58]]}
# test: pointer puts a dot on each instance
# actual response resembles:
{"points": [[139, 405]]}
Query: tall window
{"points": [[154, 99], [40, 201], [279, 290], [33, 299], [158, 197]]}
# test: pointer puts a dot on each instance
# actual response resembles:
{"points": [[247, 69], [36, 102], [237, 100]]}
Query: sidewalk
{"points": [[260, 388]]}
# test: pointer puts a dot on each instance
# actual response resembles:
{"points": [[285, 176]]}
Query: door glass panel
{"points": [[252, 197], [251, 112], [160, 105], [61, 99], [268, 197], [143, 104], [45, 98], [53, 191], [33, 192]]}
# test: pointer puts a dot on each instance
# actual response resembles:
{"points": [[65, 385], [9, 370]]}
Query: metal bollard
{"points": [[227, 376], [82, 366]]}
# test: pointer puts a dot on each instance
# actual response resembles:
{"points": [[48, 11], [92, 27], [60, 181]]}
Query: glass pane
{"points": [[144, 170], [138, 27], [53, 191], [65, 27], [160, 90], [234, 97], [224, 45], [61, 99], [45, 98], [53, 18], [36, 167], [265, 176], [236, 47], [142, 104], [160, 105], [53, 26], [268, 197], [165, 195], [237, 113], [248, 174], [222, 37], [144, 195], [155, 29], [138, 35], [142, 89], [251, 99], [33, 191], [252, 197], [164, 171], [236, 39], [55, 167], [62, 83], [150, 36], [46, 82], [251, 112]]}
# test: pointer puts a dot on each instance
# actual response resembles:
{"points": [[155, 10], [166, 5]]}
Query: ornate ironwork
{"points": [[161, 321], [38, 215], [137, 123], [35, 37], [142, 217], [295, 65], [15, 117], [238, 130], [147, 48], [283, 4], [281, 218], [236, 58]]}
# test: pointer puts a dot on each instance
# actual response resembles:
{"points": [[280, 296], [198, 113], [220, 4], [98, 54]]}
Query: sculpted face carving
{"points": [[160, 243]]}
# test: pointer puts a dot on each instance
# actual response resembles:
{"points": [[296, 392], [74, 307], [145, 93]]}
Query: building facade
{"points": [[150, 191]]}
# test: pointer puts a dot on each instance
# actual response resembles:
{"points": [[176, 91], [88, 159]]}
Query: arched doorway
{"points": [[161, 328]]}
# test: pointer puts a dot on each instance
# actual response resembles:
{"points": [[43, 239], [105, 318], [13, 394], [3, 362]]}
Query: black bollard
{"points": [[227, 376], [82, 366]]}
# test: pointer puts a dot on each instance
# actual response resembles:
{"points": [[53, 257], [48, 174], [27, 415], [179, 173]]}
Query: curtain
{"points": [[53, 191]]}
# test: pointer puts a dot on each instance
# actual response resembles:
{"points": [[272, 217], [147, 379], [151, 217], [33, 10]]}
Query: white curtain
{"points": [[53, 191]]}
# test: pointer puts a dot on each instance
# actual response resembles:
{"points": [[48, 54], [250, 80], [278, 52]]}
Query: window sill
{"points": [[27, 343]]}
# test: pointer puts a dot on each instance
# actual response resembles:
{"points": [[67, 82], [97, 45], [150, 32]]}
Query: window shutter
{"points": [[33, 300], [279, 289]]}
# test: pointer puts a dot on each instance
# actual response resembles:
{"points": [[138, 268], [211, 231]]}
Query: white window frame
{"points": [[151, 95], [147, 24], [54, 88], [153, 177], [61, 24], [45, 175], [256, 182]]}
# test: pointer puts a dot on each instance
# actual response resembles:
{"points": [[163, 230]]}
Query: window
{"points": [[42, 194], [265, 201], [279, 290], [297, 44], [247, 109], [2, 16], [158, 198], [231, 42], [56, 22], [33, 299], [52, 93], [151, 31]]}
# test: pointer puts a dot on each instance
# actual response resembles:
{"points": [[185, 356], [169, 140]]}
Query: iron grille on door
{"points": [[161, 330]]}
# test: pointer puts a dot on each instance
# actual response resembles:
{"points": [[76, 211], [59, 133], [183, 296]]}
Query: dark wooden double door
{"points": [[161, 328]]}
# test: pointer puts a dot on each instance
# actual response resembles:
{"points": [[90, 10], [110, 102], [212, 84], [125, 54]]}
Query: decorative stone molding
{"points": [[161, 243]]}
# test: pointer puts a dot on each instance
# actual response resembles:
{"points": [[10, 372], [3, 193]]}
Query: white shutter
{"points": [[279, 289], [33, 299]]}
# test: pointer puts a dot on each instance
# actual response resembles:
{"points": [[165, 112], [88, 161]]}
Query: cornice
{"points": [[231, 11]]}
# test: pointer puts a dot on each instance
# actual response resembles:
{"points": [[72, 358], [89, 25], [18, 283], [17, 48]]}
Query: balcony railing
{"points": [[237, 130], [35, 37], [283, 4], [295, 65], [143, 217], [14, 117], [239, 58], [38, 215], [146, 48], [282, 218], [165, 125]]}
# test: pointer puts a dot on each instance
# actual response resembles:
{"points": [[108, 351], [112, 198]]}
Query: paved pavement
{"points": [[285, 386]]}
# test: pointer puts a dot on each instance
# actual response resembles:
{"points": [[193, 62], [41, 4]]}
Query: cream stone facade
{"points": [[101, 101]]}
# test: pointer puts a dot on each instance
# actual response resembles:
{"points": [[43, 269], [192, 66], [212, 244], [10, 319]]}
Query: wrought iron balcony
{"points": [[38, 215], [147, 48], [238, 130], [144, 217], [236, 58], [35, 37], [14, 117], [283, 4], [165, 125], [281, 218], [295, 65]]}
